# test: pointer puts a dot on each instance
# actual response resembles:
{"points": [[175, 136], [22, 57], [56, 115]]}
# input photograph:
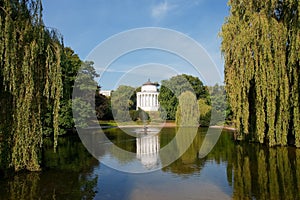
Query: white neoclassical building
{"points": [[147, 99]]}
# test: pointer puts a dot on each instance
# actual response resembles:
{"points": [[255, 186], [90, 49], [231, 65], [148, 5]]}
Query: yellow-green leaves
{"points": [[30, 82], [261, 51]]}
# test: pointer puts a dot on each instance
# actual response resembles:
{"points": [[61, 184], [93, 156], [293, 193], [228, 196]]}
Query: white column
{"points": [[157, 144], [149, 145], [147, 100], [137, 101], [141, 100], [137, 147], [153, 100], [153, 145]]}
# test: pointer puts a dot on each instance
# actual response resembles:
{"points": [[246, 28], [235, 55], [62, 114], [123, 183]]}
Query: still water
{"points": [[230, 171]]}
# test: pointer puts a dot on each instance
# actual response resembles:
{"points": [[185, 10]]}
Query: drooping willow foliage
{"points": [[30, 82], [187, 113], [261, 47]]}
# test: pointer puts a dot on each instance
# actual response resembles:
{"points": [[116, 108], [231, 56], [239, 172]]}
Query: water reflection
{"points": [[67, 175], [189, 161], [263, 173], [147, 150], [253, 171], [230, 170]]}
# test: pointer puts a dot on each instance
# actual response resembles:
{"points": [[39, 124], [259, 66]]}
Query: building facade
{"points": [[106, 92], [147, 99]]}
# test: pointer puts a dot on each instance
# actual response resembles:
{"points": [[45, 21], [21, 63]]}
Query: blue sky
{"points": [[85, 24]]}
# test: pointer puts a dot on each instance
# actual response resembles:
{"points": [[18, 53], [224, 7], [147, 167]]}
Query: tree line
{"points": [[208, 99]]}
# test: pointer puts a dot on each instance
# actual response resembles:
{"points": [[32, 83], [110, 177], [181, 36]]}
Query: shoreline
{"points": [[164, 125]]}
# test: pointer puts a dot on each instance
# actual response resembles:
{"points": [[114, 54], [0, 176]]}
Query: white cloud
{"points": [[160, 10]]}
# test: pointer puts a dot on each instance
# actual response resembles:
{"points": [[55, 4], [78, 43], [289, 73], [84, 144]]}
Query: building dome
{"points": [[149, 87]]}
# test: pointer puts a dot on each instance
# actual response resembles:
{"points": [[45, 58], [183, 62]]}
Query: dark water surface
{"points": [[229, 171]]}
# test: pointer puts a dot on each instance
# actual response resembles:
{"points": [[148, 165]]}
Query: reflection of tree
{"points": [[70, 155], [188, 139], [188, 163], [66, 175], [59, 185], [123, 141], [262, 173], [242, 178]]}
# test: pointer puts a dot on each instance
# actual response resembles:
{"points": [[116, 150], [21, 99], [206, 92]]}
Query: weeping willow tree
{"points": [[187, 113], [261, 48], [30, 81]]}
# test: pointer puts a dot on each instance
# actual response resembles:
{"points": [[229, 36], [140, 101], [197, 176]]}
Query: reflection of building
{"points": [[147, 99], [147, 150], [106, 92]]}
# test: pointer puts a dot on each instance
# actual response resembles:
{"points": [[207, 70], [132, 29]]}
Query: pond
{"points": [[230, 171]]}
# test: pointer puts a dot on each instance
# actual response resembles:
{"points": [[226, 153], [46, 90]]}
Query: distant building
{"points": [[106, 92], [147, 99]]}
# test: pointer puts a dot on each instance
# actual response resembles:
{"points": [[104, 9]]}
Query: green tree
{"points": [[85, 90], [220, 106], [205, 112], [171, 89], [261, 47], [30, 76], [103, 107], [70, 64], [200, 90], [122, 100], [187, 113], [168, 103]]}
